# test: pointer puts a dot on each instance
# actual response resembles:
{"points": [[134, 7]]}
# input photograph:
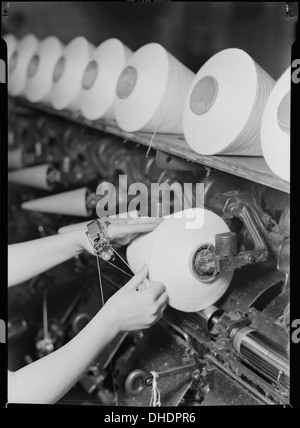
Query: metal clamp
{"points": [[100, 240], [138, 380], [224, 256]]}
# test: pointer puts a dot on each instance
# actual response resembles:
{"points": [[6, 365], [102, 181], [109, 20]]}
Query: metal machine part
{"points": [[138, 380], [260, 352], [240, 345], [291, 9], [224, 256], [263, 355]]}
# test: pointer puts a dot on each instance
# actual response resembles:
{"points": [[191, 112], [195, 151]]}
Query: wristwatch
{"points": [[99, 238]]}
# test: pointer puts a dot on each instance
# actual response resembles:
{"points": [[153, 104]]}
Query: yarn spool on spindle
{"points": [[19, 62], [224, 106], [151, 91], [169, 252], [15, 158], [275, 127], [71, 203], [33, 176], [68, 73], [12, 43], [40, 70], [98, 86]]}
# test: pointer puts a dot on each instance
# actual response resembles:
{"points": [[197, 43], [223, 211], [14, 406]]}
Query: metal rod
{"points": [[70, 308]]}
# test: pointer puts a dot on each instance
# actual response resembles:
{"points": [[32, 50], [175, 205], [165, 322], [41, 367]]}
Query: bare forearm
{"points": [[48, 379], [28, 259]]}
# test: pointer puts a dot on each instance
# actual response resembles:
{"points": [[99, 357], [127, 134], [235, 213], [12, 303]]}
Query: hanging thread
{"points": [[155, 394], [108, 346]]}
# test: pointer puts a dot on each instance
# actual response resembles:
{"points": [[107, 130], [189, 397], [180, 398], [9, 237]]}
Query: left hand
{"points": [[124, 232]]}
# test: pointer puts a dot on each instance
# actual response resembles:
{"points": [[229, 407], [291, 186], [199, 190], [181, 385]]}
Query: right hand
{"points": [[135, 310]]}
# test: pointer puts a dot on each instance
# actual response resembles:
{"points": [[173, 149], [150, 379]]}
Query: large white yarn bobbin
{"points": [[98, 85], [12, 43], [19, 62], [40, 70], [151, 91], [68, 72], [225, 103], [169, 252], [275, 127]]}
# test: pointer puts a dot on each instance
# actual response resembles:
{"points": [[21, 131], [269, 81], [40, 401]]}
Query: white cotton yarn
{"points": [[40, 70], [151, 91], [225, 103], [68, 72], [99, 81], [275, 127], [19, 62], [12, 43], [168, 252]]}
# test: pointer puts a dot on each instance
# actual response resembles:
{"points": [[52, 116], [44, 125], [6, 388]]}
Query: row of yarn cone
{"points": [[230, 107]]}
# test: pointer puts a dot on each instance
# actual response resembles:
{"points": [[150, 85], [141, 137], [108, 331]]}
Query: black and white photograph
{"points": [[145, 200]]}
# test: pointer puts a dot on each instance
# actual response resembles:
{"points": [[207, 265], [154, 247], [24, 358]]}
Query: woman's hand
{"points": [[135, 310], [121, 233]]}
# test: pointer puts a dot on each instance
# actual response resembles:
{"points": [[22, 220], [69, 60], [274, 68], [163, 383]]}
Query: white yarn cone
{"points": [[12, 43], [19, 62], [67, 203], [224, 105], [68, 72], [98, 86], [168, 251], [151, 91], [15, 158], [40, 70], [34, 176], [275, 128]]}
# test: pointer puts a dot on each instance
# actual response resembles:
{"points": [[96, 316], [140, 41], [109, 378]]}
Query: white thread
{"points": [[156, 97], [39, 83], [168, 251], [153, 135], [230, 123], [155, 394], [275, 130], [68, 72], [97, 100]]}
